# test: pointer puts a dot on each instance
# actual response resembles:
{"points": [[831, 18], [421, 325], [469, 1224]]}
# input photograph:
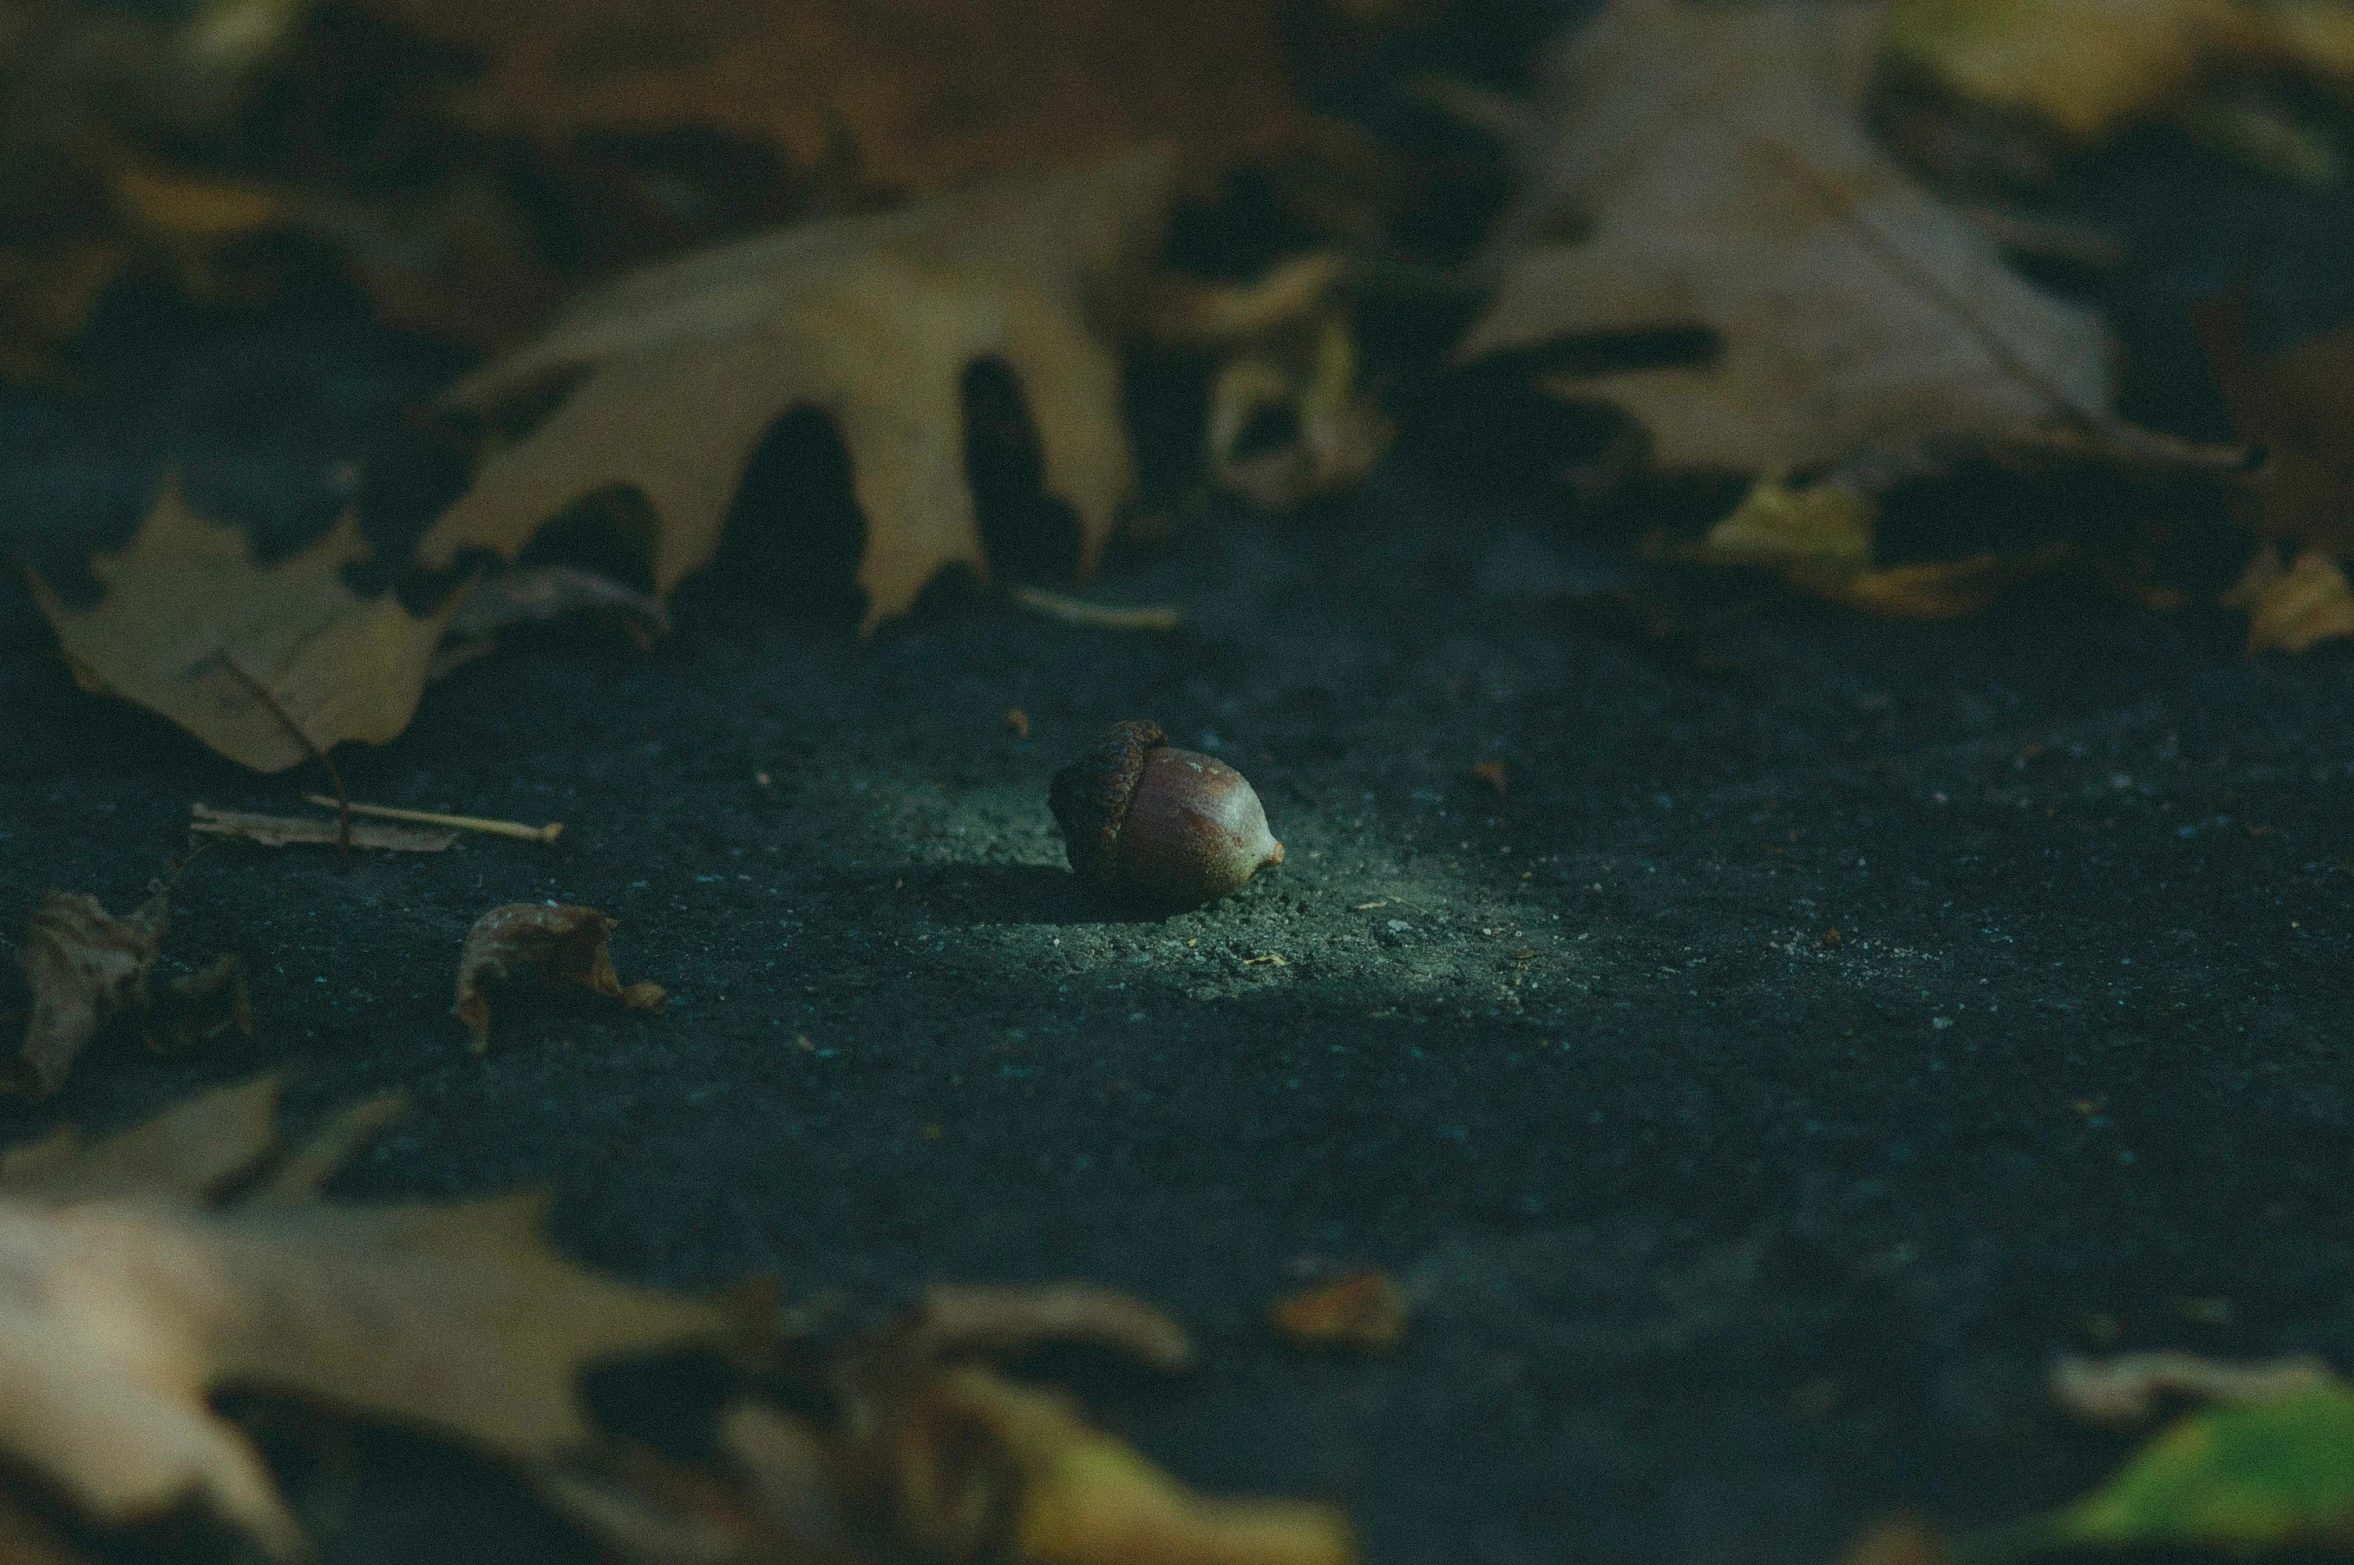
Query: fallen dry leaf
{"points": [[149, 1287], [675, 375], [84, 966], [563, 945], [2300, 404], [2291, 608], [924, 92], [82, 87], [278, 831], [2128, 1390], [1820, 538], [191, 624], [933, 1454], [1365, 1310], [2091, 67], [1717, 160]]}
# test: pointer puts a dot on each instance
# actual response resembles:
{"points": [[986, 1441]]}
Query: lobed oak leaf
{"points": [[193, 628], [671, 378], [925, 92], [1717, 161], [84, 966], [176, 1258], [562, 944]]}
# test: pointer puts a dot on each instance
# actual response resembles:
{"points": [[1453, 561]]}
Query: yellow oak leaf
{"points": [[675, 375]]}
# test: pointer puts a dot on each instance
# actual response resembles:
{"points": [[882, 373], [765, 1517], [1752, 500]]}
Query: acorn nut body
{"points": [[1157, 826]]}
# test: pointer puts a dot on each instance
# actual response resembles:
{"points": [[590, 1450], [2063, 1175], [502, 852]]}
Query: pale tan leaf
{"points": [[141, 1299], [1717, 161], [190, 624], [676, 374], [187, 1152]]}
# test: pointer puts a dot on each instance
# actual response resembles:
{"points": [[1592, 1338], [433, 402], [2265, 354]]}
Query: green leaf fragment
{"points": [[2232, 1477]]}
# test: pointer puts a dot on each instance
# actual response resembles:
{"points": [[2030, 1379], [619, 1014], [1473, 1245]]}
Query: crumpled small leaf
{"points": [[145, 1291], [201, 1005], [1366, 1310], [562, 944], [1717, 160], [675, 375], [187, 611], [2294, 607], [84, 966]]}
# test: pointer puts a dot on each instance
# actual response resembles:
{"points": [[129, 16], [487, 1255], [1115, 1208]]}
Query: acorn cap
{"points": [[1090, 798]]}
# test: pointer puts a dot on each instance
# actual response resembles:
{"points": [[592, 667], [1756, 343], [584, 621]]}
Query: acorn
{"points": [[1160, 827]]}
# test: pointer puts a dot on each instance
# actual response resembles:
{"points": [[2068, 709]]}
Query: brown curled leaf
{"points": [[562, 944], [200, 1006], [1366, 1311], [84, 966]]}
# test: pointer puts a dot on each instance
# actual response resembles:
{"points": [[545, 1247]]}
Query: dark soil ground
{"points": [[1725, 1236]]}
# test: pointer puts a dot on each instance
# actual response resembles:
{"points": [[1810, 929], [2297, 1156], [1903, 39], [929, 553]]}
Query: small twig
{"points": [[548, 833], [1096, 616], [261, 693]]}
